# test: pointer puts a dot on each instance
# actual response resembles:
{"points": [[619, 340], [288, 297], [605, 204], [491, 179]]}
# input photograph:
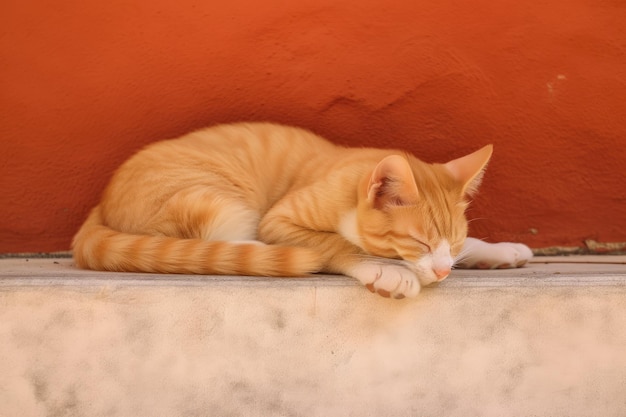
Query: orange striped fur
{"points": [[265, 199]]}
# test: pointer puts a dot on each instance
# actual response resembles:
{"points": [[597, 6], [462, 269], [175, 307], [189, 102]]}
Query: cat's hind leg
{"points": [[482, 255], [209, 214]]}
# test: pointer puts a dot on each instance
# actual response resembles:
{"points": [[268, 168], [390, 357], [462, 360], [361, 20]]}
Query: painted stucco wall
{"points": [[85, 84]]}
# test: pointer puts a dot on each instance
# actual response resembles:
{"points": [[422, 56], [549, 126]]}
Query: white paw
{"points": [[482, 255], [386, 279]]}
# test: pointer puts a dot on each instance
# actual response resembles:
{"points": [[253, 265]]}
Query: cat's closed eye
{"points": [[424, 244]]}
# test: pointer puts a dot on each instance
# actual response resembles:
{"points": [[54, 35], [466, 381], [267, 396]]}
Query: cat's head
{"points": [[415, 212]]}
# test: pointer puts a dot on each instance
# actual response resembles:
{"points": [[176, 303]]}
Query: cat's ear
{"points": [[392, 183], [469, 169]]}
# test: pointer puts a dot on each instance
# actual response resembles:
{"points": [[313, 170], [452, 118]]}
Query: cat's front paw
{"points": [[503, 255], [388, 280]]}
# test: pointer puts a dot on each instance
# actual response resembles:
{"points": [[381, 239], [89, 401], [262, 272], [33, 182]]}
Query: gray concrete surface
{"points": [[545, 340]]}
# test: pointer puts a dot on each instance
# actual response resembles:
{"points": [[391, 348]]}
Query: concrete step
{"points": [[547, 339]]}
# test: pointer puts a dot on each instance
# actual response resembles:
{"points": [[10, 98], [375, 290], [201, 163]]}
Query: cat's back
{"points": [[264, 153], [239, 145], [252, 142], [264, 160]]}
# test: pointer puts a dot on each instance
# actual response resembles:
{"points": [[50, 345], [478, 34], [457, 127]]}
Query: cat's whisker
{"points": [[462, 256], [459, 260]]}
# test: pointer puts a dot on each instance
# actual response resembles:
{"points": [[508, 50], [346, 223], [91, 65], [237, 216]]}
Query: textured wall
{"points": [[84, 84]]}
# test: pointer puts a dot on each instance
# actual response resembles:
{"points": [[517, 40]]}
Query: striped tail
{"points": [[99, 247]]}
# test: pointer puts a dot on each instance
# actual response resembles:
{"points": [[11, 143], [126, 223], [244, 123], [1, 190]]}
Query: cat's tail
{"points": [[97, 246]]}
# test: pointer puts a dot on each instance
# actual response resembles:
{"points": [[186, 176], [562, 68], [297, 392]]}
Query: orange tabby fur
{"points": [[201, 203]]}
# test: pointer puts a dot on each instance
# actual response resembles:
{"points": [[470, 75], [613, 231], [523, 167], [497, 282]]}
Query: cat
{"points": [[270, 200]]}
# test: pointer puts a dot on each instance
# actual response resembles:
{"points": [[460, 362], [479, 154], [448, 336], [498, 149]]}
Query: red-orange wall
{"points": [[86, 83]]}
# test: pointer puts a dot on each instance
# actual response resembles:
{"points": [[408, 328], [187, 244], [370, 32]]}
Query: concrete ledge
{"points": [[548, 339]]}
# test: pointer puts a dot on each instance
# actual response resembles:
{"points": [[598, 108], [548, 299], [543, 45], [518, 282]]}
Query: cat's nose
{"points": [[441, 273]]}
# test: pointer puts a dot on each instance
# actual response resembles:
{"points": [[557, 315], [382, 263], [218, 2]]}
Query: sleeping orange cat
{"points": [[265, 199]]}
